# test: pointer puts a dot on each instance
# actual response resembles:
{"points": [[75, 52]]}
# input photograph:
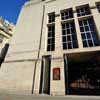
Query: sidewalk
{"points": [[45, 97]]}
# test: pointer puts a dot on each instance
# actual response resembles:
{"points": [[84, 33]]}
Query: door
{"points": [[45, 75]]}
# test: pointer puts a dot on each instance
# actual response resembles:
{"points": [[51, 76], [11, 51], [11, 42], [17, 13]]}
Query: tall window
{"points": [[98, 6], [87, 28], [82, 11], [69, 36], [51, 33], [88, 33], [51, 38], [51, 17], [66, 14]]}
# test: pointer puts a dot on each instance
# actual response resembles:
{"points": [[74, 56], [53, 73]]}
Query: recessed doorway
{"points": [[82, 74], [45, 75]]}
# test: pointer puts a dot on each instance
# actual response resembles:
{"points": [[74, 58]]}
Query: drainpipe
{"points": [[39, 49]]}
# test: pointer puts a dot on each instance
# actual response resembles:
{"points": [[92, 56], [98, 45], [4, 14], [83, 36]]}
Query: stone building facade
{"points": [[6, 32], [55, 49]]}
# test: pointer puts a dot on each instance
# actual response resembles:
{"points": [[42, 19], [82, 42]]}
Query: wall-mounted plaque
{"points": [[56, 74]]}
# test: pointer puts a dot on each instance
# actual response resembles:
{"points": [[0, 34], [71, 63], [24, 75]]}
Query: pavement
{"points": [[5, 96]]}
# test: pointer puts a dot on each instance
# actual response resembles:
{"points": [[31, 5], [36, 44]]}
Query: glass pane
{"points": [[67, 25], [92, 28], [48, 48], [81, 29], [75, 45], [63, 26], [52, 47], [74, 37], [80, 23], [64, 32], [49, 41], [85, 22], [86, 28], [98, 7], [85, 44], [69, 45], [64, 39], [71, 14], [88, 35], [73, 30], [53, 40], [83, 36], [68, 38], [68, 31], [51, 17], [64, 46], [49, 28], [53, 34], [62, 14], [90, 43]]}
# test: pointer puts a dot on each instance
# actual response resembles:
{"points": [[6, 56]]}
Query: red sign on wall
{"points": [[56, 74]]}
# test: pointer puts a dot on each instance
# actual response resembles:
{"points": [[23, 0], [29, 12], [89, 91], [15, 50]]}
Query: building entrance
{"points": [[82, 74], [45, 75]]}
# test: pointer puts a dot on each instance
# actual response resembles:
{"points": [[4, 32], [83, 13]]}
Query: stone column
{"points": [[37, 78], [57, 87]]}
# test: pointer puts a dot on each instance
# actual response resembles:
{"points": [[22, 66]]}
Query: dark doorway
{"points": [[45, 75], [82, 77]]}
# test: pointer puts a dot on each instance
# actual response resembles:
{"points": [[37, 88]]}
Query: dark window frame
{"points": [[51, 17], [66, 14], [83, 10], [98, 6], [51, 38], [88, 32], [69, 36]]}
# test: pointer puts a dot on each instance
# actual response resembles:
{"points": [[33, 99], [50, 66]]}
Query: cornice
{"points": [[32, 2]]}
